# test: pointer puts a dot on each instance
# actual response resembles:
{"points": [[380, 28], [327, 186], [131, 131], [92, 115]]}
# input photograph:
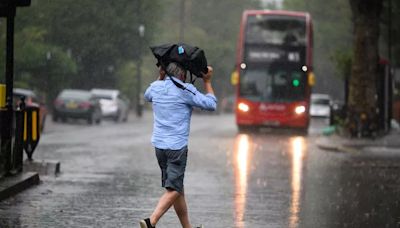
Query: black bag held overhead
{"points": [[191, 58]]}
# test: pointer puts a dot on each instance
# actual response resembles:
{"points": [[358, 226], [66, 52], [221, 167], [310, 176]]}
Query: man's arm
{"points": [[147, 95], [207, 81], [206, 101]]}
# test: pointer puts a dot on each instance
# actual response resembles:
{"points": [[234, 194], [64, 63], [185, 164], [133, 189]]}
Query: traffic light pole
{"points": [[6, 134], [8, 118]]}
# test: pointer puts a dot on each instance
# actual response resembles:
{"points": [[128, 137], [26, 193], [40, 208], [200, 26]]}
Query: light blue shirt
{"points": [[172, 110]]}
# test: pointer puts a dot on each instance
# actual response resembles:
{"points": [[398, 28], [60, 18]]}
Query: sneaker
{"points": [[201, 226], [145, 223]]}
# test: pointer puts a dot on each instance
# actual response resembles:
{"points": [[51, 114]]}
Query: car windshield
{"points": [[75, 94], [320, 101], [102, 96], [272, 86]]}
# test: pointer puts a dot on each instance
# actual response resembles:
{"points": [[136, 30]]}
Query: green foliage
{"points": [[126, 81], [395, 30], [39, 65], [79, 44], [342, 60]]}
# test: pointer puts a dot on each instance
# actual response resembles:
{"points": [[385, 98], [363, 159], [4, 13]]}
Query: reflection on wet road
{"points": [[297, 152], [258, 157], [242, 151]]}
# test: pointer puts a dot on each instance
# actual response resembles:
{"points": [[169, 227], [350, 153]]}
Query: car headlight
{"points": [[243, 107], [300, 109]]}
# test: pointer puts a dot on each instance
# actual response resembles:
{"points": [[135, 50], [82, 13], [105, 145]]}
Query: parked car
{"points": [[320, 105], [31, 100], [77, 104], [113, 104]]}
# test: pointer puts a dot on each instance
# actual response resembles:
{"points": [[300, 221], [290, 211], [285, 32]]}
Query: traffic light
{"points": [[7, 7], [296, 82]]}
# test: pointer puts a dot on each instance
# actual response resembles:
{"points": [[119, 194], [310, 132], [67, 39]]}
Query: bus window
{"points": [[267, 86], [277, 30]]}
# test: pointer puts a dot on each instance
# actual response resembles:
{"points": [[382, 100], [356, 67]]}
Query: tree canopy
{"points": [[78, 44]]}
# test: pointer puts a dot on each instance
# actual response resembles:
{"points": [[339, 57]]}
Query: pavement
{"points": [[29, 177], [386, 145], [12, 185]]}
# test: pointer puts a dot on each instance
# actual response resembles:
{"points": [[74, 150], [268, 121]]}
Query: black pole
{"points": [[390, 76], [139, 82], [139, 63], [182, 22], [390, 32], [6, 136]]}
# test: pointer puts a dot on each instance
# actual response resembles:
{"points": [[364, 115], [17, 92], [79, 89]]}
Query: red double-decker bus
{"points": [[274, 70]]}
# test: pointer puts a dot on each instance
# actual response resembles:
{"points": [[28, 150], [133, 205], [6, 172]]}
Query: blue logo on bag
{"points": [[181, 50]]}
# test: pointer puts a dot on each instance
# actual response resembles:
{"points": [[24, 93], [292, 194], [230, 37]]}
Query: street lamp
{"points": [[139, 99]]}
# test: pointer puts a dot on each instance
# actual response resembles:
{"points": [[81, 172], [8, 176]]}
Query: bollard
{"points": [[2, 96], [18, 148], [2, 110], [31, 130]]}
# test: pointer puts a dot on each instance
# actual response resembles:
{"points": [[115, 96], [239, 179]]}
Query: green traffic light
{"points": [[296, 82]]}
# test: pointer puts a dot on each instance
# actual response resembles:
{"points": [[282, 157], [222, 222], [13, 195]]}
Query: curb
{"points": [[13, 185], [43, 167], [337, 148]]}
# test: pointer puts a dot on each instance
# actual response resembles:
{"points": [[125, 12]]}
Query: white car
{"points": [[320, 105], [113, 104]]}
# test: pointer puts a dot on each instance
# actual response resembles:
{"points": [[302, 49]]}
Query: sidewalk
{"points": [[12, 185], [388, 144]]}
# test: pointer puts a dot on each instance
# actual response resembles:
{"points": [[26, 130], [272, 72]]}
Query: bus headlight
{"points": [[300, 109], [243, 107]]}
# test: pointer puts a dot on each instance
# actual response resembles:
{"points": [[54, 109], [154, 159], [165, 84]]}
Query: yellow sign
{"points": [[311, 79], [2, 96], [34, 126], [31, 132], [235, 78]]}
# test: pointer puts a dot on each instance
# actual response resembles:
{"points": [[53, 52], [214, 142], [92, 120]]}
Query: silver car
{"points": [[113, 104], [320, 105]]}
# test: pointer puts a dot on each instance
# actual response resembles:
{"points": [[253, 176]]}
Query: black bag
{"points": [[190, 58]]}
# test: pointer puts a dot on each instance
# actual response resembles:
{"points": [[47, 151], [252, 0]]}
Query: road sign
{"points": [[31, 130]]}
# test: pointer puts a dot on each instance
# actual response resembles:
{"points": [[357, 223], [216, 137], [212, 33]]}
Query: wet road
{"points": [[110, 178]]}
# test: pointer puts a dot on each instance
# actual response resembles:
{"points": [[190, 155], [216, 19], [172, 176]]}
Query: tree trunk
{"points": [[362, 104]]}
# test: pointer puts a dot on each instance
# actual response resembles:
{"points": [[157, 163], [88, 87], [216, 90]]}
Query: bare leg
{"points": [[182, 211], [165, 202]]}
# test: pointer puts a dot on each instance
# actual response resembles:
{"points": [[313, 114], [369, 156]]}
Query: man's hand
{"points": [[207, 77], [207, 80]]}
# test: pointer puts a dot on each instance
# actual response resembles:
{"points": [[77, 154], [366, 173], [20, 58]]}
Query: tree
{"points": [[362, 104], [41, 66], [80, 44]]}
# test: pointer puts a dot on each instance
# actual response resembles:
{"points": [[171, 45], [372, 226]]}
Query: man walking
{"points": [[172, 107]]}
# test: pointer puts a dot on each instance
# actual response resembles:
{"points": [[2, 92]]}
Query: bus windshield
{"points": [[261, 85], [276, 30]]}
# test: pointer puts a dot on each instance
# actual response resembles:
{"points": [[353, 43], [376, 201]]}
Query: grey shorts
{"points": [[172, 164]]}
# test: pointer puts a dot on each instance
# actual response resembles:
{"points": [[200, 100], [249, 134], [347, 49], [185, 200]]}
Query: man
{"points": [[172, 107]]}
